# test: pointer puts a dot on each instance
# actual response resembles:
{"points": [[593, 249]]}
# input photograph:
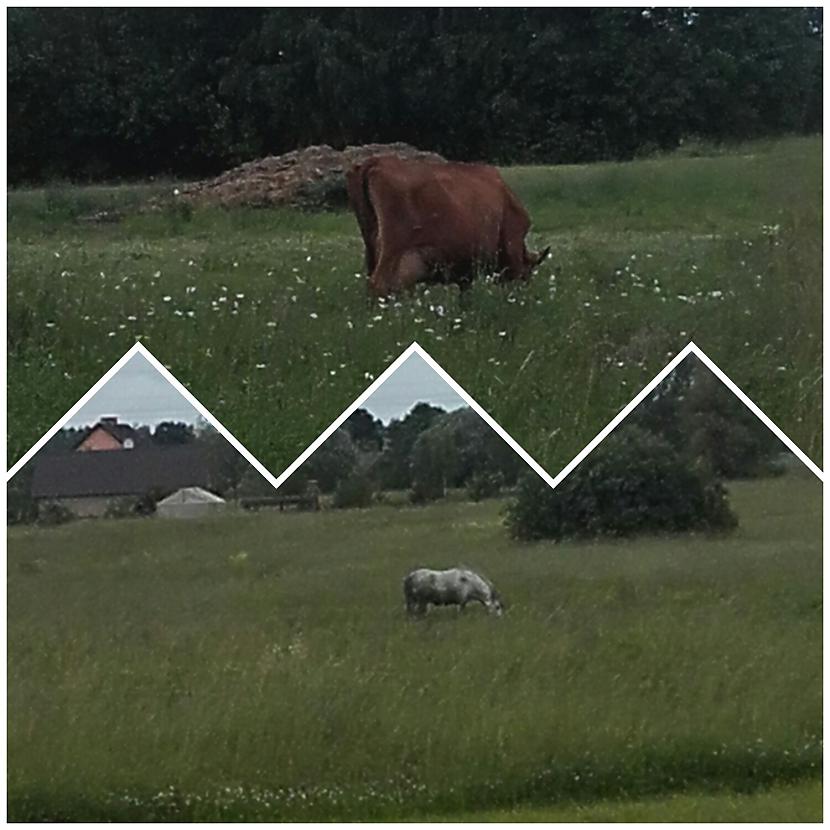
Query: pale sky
{"points": [[414, 381], [136, 394]]}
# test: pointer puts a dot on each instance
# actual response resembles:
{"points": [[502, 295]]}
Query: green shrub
{"points": [[54, 513], [326, 193], [354, 491], [484, 485], [146, 505], [634, 482], [121, 508]]}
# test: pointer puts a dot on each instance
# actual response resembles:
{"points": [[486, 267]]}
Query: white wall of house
{"points": [[84, 507]]}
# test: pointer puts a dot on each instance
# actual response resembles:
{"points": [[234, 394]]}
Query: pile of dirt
{"points": [[311, 178]]}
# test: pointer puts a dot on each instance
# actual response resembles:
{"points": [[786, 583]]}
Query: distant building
{"points": [[87, 483], [108, 434]]}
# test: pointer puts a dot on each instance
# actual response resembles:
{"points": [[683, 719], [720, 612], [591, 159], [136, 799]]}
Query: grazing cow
{"points": [[456, 586], [423, 220]]}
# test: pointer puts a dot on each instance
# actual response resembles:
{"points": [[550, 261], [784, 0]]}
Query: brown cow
{"points": [[422, 220]]}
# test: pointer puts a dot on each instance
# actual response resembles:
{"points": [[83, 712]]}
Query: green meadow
{"points": [[261, 667], [263, 313]]}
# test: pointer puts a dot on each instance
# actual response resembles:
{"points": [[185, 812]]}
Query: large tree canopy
{"points": [[117, 92]]}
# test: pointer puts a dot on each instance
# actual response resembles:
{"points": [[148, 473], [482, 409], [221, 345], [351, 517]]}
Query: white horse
{"points": [[457, 586]]}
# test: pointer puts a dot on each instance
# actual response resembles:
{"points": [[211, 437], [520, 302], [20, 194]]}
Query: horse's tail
{"points": [[357, 187]]}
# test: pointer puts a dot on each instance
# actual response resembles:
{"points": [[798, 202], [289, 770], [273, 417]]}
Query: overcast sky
{"points": [[136, 394], [414, 381]]}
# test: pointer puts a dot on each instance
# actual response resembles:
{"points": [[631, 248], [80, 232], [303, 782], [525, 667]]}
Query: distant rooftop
{"points": [[78, 474]]}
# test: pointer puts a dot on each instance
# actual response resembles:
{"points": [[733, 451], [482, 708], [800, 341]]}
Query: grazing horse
{"points": [[457, 586]]}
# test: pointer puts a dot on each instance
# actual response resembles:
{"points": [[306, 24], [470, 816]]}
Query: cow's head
{"points": [[533, 260]]}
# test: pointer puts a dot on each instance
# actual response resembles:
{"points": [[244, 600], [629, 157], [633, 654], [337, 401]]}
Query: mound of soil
{"points": [[308, 178]]}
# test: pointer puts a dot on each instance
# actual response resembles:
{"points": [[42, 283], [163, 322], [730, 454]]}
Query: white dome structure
{"points": [[190, 503]]}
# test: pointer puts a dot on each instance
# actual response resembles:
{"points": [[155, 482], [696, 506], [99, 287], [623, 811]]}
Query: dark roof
{"points": [[121, 432], [118, 473]]}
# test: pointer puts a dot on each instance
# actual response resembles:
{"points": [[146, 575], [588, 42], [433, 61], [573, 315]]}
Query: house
{"points": [[108, 434], [88, 483]]}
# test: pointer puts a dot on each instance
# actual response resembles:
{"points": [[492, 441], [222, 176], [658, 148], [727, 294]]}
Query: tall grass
{"points": [[261, 667], [263, 313]]}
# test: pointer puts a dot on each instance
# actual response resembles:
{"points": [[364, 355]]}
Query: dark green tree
{"points": [[708, 425], [366, 431], [394, 466], [335, 460], [168, 433], [118, 92], [20, 506]]}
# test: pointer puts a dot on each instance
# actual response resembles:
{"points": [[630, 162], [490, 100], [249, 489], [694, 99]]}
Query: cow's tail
{"points": [[357, 187]]}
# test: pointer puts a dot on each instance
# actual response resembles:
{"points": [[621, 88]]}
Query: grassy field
{"points": [[263, 313], [261, 667], [797, 802]]}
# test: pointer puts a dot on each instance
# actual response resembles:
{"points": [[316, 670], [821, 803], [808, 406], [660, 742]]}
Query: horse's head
{"points": [[495, 605]]}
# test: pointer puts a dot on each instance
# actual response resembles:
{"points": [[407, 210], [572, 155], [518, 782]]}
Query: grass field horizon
{"points": [[264, 310], [262, 668]]}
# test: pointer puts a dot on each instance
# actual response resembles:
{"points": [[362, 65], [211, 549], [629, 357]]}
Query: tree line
{"points": [[108, 93], [425, 453], [661, 470]]}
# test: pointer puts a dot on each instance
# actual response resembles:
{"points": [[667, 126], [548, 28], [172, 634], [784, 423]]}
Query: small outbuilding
{"points": [[190, 503]]}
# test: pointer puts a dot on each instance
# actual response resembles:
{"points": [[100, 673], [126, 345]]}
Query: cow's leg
{"points": [[371, 255], [382, 279], [393, 275], [411, 269]]}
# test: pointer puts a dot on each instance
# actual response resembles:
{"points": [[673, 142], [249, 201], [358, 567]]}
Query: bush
{"points": [[121, 508], [355, 491], [53, 513], [146, 505], [324, 194], [484, 485], [634, 482]]}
